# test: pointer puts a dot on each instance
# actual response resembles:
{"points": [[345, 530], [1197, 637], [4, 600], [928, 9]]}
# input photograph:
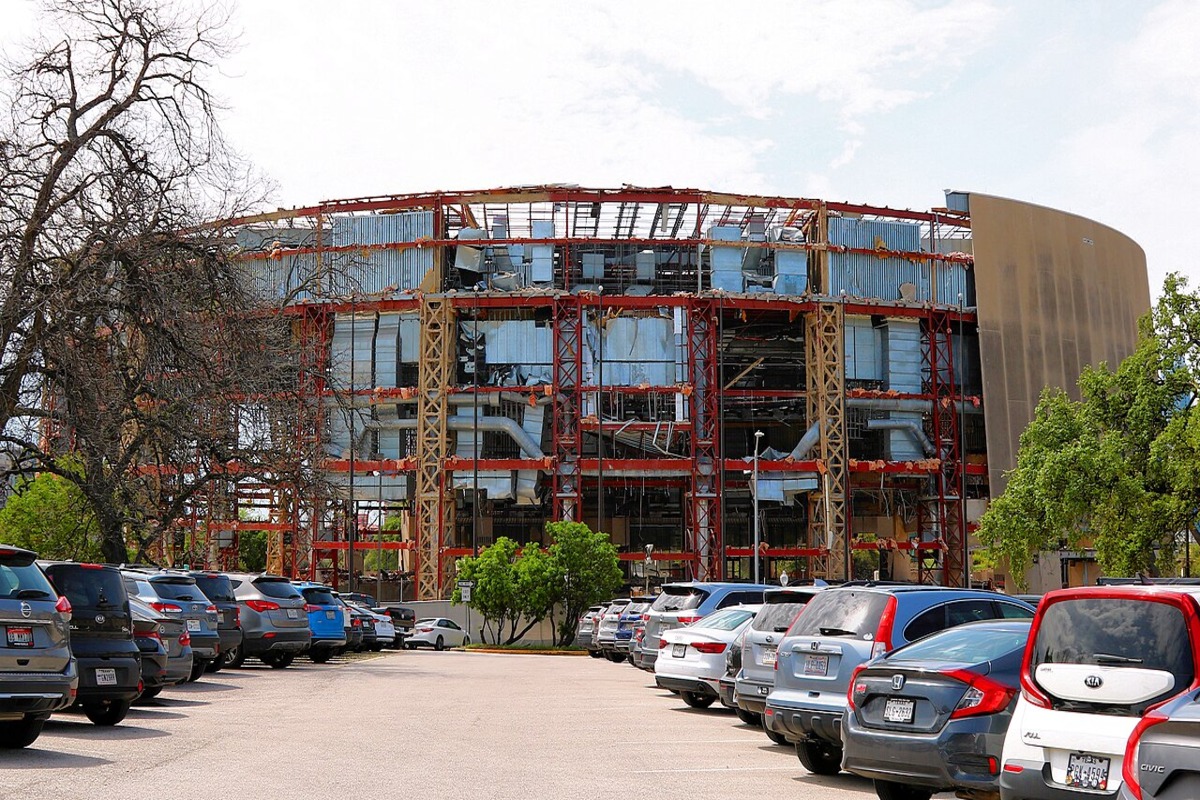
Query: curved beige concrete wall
{"points": [[1055, 292]]}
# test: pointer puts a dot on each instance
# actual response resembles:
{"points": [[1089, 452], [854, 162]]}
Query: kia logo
{"points": [[1093, 681], [26, 610], [897, 682]]}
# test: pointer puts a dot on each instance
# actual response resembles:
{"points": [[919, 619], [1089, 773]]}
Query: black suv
{"points": [[110, 669], [219, 591], [37, 673]]}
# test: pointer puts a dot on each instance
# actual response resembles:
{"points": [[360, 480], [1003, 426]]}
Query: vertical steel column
{"points": [[704, 533], [826, 372], [945, 507], [568, 372]]}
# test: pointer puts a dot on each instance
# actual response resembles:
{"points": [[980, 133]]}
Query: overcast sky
{"points": [[1091, 107]]}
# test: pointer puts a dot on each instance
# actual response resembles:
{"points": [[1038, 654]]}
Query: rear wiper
{"points": [[837, 632], [30, 594], [185, 597], [782, 629], [1109, 658]]}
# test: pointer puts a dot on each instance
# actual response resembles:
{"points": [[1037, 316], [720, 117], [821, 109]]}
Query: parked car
{"points": [[360, 598], [586, 628], [635, 644], [165, 646], [326, 620], [606, 630], [402, 620], [630, 618], [727, 686], [842, 628], [1099, 658], [274, 623], [366, 625], [754, 682], [38, 674], [681, 604], [110, 669], [438, 633], [353, 626], [176, 595], [691, 660], [382, 629], [1162, 756], [931, 716], [219, 591], [592, 642]]}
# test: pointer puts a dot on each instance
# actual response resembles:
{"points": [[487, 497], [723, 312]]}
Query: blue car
{"points": [[325, 618]]}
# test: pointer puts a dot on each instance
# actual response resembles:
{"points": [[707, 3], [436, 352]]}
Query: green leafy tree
{"points": [[539, 586], [50, 516], [1115, 469], [252, 550], [495, 593], [590, 570]]}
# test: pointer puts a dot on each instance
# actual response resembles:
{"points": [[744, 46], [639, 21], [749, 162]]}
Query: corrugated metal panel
{"points": [[902, 355], [864, 350], [639, 350], [541, 256], [379, 272], [868, 276], [516, 342], [955, 283]]}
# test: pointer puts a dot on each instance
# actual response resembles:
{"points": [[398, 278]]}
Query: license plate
{"points": [[106, 677], [768, 656], [193, 624], [20, 637], [897, 710], [764, 690], [816, 665], [677, 650], [293, 613], [1087, 771]]}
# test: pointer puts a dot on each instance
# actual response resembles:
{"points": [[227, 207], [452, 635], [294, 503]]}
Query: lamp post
{"points": [[379, 542], [352, 532], [757, 534]]}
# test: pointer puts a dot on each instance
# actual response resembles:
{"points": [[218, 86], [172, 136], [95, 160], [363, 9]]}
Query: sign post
{"points": [[464, 590]]}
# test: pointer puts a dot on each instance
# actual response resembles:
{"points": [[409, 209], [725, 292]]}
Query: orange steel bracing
{"points": [[942, 520], [435, 507], [704, 524], [567, 410], [826, 369]]}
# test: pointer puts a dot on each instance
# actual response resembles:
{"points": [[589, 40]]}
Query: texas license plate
{"points": [[193, 624], [677, 650], [768, 656], [106, 677], [20, 637], [898, 710], [816, 665], [293, 613], [764, 690], [1087, 771]]}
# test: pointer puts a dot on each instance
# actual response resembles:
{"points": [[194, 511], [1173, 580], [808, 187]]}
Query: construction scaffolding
{"points": [[481, 363]]}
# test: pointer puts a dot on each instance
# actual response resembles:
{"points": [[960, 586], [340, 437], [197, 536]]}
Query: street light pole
{"points": [[379, 543], [352, 532], [757, 534]]}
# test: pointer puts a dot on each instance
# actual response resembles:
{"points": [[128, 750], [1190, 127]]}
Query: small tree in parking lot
{"points": [[495, 592], [589, 569]]}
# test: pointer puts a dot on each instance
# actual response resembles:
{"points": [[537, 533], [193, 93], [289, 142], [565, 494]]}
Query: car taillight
{"points": [[355, 623], [1031, 692], [237, 615], [153, 635], [309, 608], [883, 633], [857, 690], [708, 648], [210, 609], [983, 695], [688, 620], [262, 605], [167, 608], [645, 617], [63, 606], [185, 639], [1130, 766], [662, 643], [424, 630]]}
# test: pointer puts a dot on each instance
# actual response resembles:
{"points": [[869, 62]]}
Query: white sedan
{"points": [[691, 660], [438, 633], [385, 629]]}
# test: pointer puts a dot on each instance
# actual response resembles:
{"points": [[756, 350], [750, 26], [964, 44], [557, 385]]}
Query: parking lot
{"points": [[439, 725]]}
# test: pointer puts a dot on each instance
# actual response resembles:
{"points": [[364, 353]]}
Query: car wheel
{"points": [[749, 717], [697, 700], [887, 790], [319, 656], [109, 713], [376, 648], [440, 644], [616, 657], [198, 668], [216, 664], [283, 661], [819, 758], [21, 732], [234, 657], [151, 692], [777, 738], [595, 654], [410, 645]]}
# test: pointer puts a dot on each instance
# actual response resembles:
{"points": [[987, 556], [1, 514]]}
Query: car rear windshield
{"points": [[968, 644], [636, 608], [89, 587], [841, 612], [1116, 632], [178, 589], [21, 579], [776, 617], [318, 596], [726, 620], [280, 588], [216, 588], [679, 599]]}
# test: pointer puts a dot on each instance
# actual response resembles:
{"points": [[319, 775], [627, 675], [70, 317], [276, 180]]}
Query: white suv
{"points": [[1098, 658]]}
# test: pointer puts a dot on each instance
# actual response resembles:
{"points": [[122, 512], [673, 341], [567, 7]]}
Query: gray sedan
{"points": [[931, 716], [1162, 759]]}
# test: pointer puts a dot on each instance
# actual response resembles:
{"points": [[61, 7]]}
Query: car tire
{"points": [[278, 660], [234, 657], [440, 644], [596, 653], [150, 692], [20, 733], [320, 656], [410, 645], [752, 718], [889, 790], [107, 714], [697, 700], [819, 758], [616, 657], [198, 669], [216, 664], [376, 648]]}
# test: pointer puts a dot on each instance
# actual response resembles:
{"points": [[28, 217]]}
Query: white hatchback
{"points": [[691, 660], [1098, 658]]}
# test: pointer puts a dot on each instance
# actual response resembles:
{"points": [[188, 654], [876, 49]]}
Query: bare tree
{"points": [[127, 331]]}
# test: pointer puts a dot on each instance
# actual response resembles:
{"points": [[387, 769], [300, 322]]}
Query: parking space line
{"points": [[714, 769]]}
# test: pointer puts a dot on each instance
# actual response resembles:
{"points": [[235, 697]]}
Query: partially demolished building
{"points": [[485, 362]]}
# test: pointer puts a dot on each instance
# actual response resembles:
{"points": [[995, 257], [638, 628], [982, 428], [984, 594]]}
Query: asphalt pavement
{"points": [[417, 724]]}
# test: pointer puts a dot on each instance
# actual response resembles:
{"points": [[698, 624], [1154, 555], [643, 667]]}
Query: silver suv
{"points": [[37, 671], [176, 596], [274, 621]]}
